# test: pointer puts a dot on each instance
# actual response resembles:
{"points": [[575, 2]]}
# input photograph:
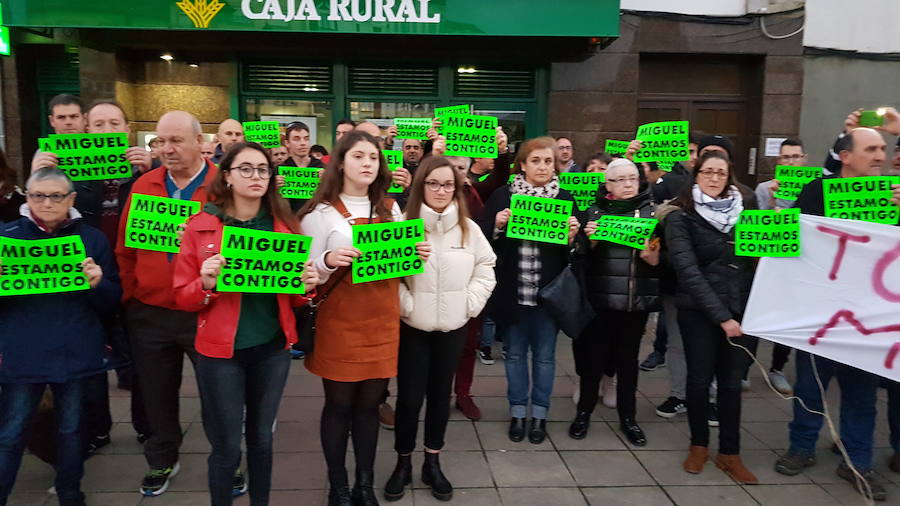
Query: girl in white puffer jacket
{"points": [[434, 308]]}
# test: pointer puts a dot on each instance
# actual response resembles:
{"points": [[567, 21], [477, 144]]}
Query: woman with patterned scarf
{"points": [[523, 268], [712, 292]]}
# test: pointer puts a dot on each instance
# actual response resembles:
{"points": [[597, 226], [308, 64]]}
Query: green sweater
{"points": [[258, 323]]}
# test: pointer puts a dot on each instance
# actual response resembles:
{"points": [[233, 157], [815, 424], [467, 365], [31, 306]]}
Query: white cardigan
{"points": [[458, 278]]}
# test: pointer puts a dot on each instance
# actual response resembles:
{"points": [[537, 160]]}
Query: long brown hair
{"points": [[685, 200], [535, 144], [332, 182], [220, 194], [417, 192]]}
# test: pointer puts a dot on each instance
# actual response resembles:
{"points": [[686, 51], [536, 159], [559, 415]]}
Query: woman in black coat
{"points": [[712, 292], [523, 268], [623, 287]]}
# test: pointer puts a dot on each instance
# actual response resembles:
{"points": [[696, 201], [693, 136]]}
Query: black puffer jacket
{"points": [[617, 278], [711, 278]]}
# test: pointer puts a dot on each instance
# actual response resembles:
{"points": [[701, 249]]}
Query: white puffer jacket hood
{"points": [[458, 278]]}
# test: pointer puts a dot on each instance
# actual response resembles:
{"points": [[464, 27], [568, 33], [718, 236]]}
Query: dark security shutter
{"points": [[59, 74], [375, 81], [495, 83], [259, 78]]}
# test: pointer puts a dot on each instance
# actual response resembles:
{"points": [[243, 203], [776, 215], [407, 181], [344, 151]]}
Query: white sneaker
{"points": [[608, 390], [780, 382]]}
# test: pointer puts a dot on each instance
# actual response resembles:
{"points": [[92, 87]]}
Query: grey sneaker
{"points": [[653, 361], [878, 491], [792, 464], [780, 383]]}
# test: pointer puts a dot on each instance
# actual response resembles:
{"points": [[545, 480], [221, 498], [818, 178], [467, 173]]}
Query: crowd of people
{"points": [[147, 310]]}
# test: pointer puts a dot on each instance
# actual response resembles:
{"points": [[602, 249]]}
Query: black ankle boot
{"points": [[339, 493], [362, 493], [579, 427], [400, 478], [432, 476]]}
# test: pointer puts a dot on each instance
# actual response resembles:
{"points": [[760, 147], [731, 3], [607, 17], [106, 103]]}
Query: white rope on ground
{"points": [[867, 496]]}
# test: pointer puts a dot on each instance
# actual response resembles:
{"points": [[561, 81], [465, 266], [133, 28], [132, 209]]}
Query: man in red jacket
{"points": [[160, 334]]}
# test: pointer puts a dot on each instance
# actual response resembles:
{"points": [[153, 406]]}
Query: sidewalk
{"points": [[484, 466]]}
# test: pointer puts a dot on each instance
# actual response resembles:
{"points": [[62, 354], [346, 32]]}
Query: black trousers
{"points": [[610, 346], [160, 338], [709, 354], [780, 354], [425, 368]]}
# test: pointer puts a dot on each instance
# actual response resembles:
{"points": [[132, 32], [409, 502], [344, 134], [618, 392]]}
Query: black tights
{"points": [[350, 408]]}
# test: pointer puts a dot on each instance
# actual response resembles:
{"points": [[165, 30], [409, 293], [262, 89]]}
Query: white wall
{"points": [[869, 26], [700, 7]]}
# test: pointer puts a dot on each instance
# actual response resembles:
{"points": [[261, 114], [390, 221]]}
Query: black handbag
{"points": [[306, 317], [566, 300]]}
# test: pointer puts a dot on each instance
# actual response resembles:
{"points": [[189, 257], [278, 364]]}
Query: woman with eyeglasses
{"points": [[523, 268], [242, 338], [711, 295], [434, 309], [623, 287]]}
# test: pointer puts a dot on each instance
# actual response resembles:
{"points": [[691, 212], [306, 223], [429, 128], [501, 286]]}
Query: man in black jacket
{"points": [[863, 153]]}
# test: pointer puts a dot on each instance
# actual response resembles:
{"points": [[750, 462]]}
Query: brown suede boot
{"points": [[697, 456], [732, 465]]}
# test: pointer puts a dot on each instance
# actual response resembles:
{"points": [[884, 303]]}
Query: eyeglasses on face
{"points": [[709, 173], [246, 171], [624, 180], [56, 198], [434, 186]]}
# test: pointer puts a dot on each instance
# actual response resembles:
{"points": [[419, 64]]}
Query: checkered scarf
{"points": [[529, 255]]}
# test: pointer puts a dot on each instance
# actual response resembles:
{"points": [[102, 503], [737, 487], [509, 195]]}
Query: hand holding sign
{"points": [[44, 159], [502, 140], [502, 219], [633, 147], [895, 190], [891, 123], [589, 229], [423, 249], [650, 253], [139, 157], [341, 257], [732, 328], [210, 270], [92, 271], [574, 225], [401, 177], [439, 146], [310, 276]]}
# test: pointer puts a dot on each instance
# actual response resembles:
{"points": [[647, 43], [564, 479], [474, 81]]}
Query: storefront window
{"points": [[513, 123], [316, 114], [383, 113]]}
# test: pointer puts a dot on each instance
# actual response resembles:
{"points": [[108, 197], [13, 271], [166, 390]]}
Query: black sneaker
{"points": [[792, 464], [673, 406], [157, 480], [484, 355], [879, 493], [142, 438], [713, 415], [96, 443], [653, 361], [240, 484]]}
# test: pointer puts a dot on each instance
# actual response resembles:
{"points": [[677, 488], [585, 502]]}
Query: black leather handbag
{"points": [[306, 317], [566, 300]]}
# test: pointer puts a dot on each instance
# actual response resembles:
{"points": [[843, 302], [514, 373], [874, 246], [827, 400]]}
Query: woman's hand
{"points": [[279, 181], [139, 157], [633, 147], [502, 140], [341, 257], [439, 146], [650, 253], [423, 249], [589, 228], [93, 272], [502, 219], [210, 270], [310, 276], [574, 225], [732, 328], [402, 177]]}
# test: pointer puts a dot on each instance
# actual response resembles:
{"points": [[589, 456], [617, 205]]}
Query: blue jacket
{"points": [[54, 338]]}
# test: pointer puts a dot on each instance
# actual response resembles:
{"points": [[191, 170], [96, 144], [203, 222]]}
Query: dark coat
{"points": [[89, 199], [554, 257], [616, 276], [54, 338]]}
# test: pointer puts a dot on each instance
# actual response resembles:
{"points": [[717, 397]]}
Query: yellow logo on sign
{"points": [[200, 12]]}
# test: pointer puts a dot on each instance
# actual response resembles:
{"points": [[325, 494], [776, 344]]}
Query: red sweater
{"points": [[147, 275], [220, 312]]}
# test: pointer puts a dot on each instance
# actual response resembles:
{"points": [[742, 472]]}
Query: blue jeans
{"points": [[254, 377], [858, 390], [488, 328], [18, 403], [533, 329], [893, 389]]}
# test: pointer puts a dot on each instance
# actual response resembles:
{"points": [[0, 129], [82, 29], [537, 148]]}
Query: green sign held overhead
{"points": [[90, 157], [299, 182], [666, 166], [583, 186], [412, 128], [470, 135], [42, 266], [625, 230], [792, 179], [388, 250], [258, 261], [614, 147], [861, 198], [539, 219], [768, 233], [453, 109], [153, 222], [266, 133], [394, 160], [665, 141]]}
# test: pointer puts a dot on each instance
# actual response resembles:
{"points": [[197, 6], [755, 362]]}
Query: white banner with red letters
{"points": [[840, 299]]}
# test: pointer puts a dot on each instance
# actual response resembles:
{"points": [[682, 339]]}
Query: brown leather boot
{"points": [[697, 456], [732, 465]]}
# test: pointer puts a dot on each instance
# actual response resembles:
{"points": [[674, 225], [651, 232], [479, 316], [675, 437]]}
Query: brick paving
{"points": [[483, 465]]}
